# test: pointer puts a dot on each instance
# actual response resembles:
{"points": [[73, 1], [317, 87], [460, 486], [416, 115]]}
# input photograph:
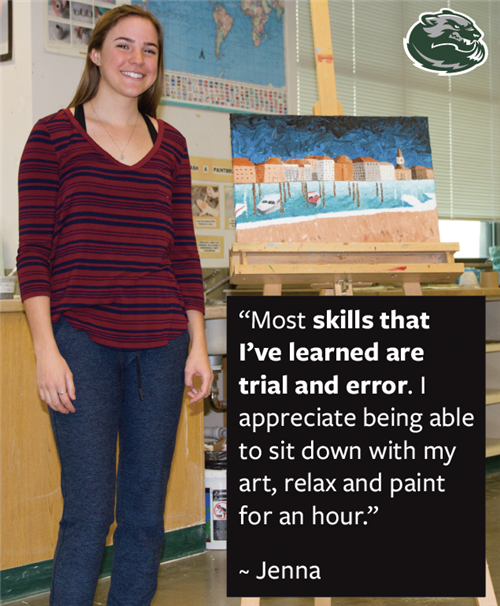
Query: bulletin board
{"points": [[212, 203]]}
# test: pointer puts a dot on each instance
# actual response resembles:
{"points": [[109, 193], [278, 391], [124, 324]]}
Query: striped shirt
{"points": [[112, 245]]}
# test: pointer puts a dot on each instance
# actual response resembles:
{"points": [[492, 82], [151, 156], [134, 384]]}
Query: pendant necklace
{"points": [[122, 152]]}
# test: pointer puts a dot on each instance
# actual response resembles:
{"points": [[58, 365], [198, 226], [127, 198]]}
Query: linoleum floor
{"points": [[201, 580]]}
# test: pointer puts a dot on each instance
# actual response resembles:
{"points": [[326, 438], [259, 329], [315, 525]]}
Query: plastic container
{"points": [[468, 278], [8, 287], [216, 508], [216, 459]]}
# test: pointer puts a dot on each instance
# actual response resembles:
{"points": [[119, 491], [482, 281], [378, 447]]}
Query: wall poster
{"points": [[205, 205], [227, 55], [69, 24], [212, 205]]}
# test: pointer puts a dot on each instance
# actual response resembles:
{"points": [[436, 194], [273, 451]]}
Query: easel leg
{"points": [[490, 599], [412, 288], [270, 290]]}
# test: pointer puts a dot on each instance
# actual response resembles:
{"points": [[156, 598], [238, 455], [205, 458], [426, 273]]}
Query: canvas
{"points": [[333, 179]]}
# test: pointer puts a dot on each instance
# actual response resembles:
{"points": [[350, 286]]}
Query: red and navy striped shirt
{"points": [[112, 245]]}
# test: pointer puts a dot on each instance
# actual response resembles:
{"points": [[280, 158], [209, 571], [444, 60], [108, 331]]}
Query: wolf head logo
{"points": [[446, 42]]}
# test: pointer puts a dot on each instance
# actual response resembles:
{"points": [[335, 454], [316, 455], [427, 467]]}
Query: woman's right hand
{"points": [[54, 376]]}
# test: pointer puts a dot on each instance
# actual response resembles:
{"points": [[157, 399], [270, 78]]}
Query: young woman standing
{"points": [[111, 282]]}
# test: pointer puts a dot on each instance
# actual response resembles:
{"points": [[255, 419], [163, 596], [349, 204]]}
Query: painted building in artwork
{"points": [[387, 171], [305, 171], [418, 172], [291, 170], [325, 169], [313, 161], [243, 171], [343, 169], [365, 169], [270, 171], [400, 161], [402, 174]]}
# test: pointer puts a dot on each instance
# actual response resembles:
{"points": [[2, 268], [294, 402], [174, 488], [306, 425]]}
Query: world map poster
{"points": [[227, 55]]}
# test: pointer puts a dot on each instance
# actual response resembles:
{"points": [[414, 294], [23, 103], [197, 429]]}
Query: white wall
{"points": [[54, 77], [37, 83], [16, 121]]}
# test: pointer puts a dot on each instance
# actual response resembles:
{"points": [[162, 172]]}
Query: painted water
{"points": [[337, 198]]}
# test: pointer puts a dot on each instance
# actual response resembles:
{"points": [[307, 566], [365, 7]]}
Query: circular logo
{"points": [[220, 511], [446, 42]]}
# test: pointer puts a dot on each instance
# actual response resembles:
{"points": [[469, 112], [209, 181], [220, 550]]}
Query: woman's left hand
{"points": [[197, 365]]}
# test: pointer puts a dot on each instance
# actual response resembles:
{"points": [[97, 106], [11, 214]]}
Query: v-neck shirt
{"points": [[112, 245], [80, 118]]}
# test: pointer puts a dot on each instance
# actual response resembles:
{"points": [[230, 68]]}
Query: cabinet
{"points": [[31, 500]]}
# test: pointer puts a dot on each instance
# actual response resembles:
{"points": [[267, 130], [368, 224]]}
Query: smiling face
{"points": [[128, 59]]}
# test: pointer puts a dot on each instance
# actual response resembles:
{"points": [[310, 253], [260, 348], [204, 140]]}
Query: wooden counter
{"points": [[31, 501]]}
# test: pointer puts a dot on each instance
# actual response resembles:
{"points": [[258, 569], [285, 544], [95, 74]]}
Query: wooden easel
{"points": [[334, 267]]}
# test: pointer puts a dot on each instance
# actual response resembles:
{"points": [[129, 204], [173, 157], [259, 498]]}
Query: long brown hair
{"points": [[89, 82]]}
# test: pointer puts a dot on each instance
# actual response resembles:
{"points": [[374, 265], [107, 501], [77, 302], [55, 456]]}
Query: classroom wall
{"points": [[16, 120], [37, 83]]}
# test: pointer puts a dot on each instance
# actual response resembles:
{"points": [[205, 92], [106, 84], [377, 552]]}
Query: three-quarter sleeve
{"points": [[112, 245], [38, 194], [185, 258]]}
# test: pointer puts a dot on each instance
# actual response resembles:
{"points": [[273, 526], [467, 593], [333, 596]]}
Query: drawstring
{"points": [[123, 380], [139, 382], [138, 362]]}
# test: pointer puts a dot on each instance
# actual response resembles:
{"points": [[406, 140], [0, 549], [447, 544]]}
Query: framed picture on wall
{"points": [[5, 30]]}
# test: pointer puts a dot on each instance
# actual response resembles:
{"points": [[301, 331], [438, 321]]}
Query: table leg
{"points": [[489, 599]]}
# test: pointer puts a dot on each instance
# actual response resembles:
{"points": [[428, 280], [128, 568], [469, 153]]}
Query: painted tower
{"points": [[400, 161]]}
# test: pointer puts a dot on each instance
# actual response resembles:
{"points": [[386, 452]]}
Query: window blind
{"points": [[374, 77]]}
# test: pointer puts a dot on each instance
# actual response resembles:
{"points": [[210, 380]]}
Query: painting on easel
{"points": [[333, 179]]}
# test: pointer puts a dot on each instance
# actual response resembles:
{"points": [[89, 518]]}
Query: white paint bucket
{"points": [[216, 508]]}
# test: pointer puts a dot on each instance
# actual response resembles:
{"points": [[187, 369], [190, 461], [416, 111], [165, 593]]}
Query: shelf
{"points": [[492, 447], [492, 346], [492, 396]]}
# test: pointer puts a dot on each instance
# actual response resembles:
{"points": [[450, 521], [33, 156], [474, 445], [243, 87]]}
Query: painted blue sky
{"points": [[259, 137]]}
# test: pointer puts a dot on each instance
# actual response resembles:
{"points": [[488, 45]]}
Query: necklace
{"points": [[122, 151]]}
